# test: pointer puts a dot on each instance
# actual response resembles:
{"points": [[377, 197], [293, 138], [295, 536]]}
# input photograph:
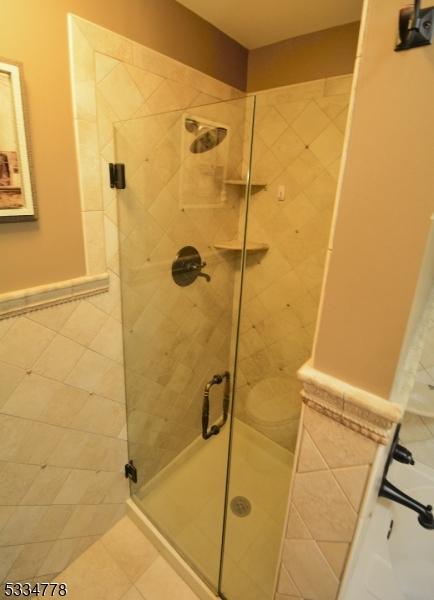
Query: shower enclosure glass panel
{"points": [[181, 223]]}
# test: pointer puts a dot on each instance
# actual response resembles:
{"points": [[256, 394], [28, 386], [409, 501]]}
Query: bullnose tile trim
{"points": [[43, 296], [370, 415]]}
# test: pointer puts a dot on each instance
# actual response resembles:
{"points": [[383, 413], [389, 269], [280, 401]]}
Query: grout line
{"points": [[347, 496], [58, 539], [86, 432], [59, 381], [56, 467]]}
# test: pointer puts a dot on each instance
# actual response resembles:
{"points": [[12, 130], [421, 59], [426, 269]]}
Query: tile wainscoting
{"points": [[342, 428], [63, 437]]}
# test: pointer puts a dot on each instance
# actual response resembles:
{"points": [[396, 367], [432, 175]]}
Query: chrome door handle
{"points": [[215, 429]]}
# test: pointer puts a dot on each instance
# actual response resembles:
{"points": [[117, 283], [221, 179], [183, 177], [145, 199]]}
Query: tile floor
{"points": [[186, 504], [123, 565]]}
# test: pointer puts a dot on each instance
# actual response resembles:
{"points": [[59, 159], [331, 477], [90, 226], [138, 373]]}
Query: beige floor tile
{"points": [[95, 575], [160, 582], [129, 548]]}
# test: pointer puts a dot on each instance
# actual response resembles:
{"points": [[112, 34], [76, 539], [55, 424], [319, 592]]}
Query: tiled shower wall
{"points": [[298, 140], [62, 411]]}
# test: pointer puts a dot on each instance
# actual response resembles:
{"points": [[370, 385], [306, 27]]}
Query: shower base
{"points": [[185, 502]]}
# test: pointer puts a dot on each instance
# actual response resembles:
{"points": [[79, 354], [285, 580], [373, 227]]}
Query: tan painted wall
{"points": [[385, 205], [313, 56], [52, 248]]}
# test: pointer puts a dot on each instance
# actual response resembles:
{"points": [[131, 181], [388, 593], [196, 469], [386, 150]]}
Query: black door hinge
{"points": [[117, 175], [131, 471]]}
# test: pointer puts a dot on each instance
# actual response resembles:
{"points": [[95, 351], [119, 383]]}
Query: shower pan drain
{"points": [[240, 506]]}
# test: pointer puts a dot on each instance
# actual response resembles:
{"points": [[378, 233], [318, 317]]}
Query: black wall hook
{"points": [[415, 27]]}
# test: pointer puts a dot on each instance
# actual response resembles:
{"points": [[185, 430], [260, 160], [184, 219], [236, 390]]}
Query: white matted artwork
{"points": [[204, 155], [17, 193]]}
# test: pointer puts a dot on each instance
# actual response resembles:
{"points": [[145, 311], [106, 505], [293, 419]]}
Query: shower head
{"points": [[207, 137]]}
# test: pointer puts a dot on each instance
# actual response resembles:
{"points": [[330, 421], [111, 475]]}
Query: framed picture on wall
{"points": [[17, 190]]}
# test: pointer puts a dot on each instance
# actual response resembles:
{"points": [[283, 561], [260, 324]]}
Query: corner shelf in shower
{"points": [[237, 246], [255, 186]]}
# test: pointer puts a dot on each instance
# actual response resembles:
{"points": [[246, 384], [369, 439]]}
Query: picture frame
{"points": [[17, 189]]}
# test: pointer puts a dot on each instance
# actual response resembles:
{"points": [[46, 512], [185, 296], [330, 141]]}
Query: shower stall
{"points": [[220, 278]]}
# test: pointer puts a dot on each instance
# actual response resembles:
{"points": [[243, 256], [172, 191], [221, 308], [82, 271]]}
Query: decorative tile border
{"points": [[368, 414], [43, 296]]}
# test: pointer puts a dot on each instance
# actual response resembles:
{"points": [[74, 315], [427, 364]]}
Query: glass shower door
{"points": [[181, 222]]}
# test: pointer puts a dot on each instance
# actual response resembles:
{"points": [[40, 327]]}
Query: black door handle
{"points": [[215, 429]]}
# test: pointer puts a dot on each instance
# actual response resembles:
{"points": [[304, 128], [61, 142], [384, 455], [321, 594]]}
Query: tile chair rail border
{"points": [[20, 302], [372, 416]]}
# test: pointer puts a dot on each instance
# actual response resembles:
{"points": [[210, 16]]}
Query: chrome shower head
{"points": [[207, 137]]}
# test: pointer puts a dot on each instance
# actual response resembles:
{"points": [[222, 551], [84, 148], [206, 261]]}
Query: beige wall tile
{"points": [[121, 93], [45, 400], [15, 479], [104, 41], [103, 65], [353, 483], [146, 82], [52, 523], [100, 415], [24, 342], [327, 147], [19, 527], [8, 555], [108, 341], [336, 554], [45, 488], [25, 441], [28, 561], [89, 165], [132, 594], [93, 221], [86, 520], [84, 323], [112, 385], [310, 458], [59, 358], [286, 584], [10, 377], [338, 85], [89, 371], [311, 122], [310, 570], [339, 446], [296, 528], [323, 507], [59, 556], [53, 317]]}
